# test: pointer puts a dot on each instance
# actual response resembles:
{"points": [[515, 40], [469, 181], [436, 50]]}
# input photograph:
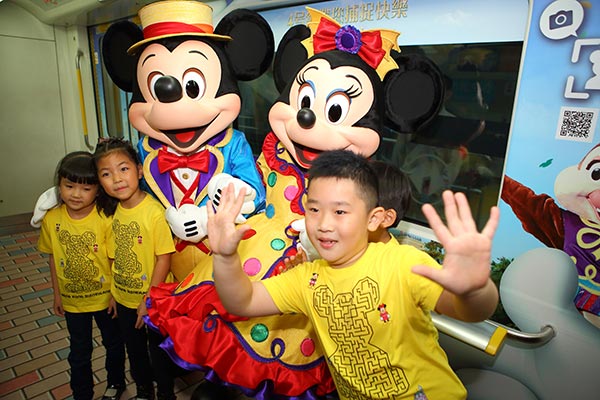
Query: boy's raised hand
{"points": [[466, 266], [223, 234]]}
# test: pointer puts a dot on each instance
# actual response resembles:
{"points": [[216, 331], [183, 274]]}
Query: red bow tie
{"points": [[168, 161], [330, 36]]}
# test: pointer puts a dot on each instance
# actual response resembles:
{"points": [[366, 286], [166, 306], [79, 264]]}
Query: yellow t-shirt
{"points": [[139, 234], [373, 320], [79, 247]]}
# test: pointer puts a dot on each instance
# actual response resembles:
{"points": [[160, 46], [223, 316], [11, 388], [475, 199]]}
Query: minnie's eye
{"points": [[152, 78], [306, 96], [595, 174], [337, 108], [194, 84]]}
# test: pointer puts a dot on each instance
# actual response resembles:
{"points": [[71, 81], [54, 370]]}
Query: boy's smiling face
{"points": [[338, 221]]}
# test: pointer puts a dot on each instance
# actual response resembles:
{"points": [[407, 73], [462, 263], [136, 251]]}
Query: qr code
{"points": [[577, 124]]}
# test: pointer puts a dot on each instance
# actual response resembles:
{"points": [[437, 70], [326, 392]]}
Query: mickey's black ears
{"points": [[414, 93], [290, 55], [251, 48], [119, 65]]}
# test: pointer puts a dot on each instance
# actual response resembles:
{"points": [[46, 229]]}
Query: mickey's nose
{"points": [[168, 89], [306, 118]]}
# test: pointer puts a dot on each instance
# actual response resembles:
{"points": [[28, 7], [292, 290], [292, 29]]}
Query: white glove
{"points": [[305, 244], [220, 181], [47, 200], [188, 222]]}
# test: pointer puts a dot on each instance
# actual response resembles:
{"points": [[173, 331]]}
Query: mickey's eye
{"points": [[194, 84], [337, 107], [152, 78], [306, 96]]}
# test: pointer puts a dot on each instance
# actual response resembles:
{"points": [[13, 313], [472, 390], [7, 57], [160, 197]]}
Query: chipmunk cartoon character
{"points": [[575, 228], [183, 77], [338, 86]]}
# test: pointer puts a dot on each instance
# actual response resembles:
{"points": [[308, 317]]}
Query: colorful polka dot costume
{"points": [[277, 350]]}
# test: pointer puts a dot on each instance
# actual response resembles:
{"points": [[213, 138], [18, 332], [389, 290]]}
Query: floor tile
{"points": [[34, 342]]}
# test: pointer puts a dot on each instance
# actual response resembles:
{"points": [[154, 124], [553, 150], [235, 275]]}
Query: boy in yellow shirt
{"points": [[368, 302]]}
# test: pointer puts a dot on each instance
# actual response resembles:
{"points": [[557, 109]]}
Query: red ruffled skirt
{"points": [[266, 357]]}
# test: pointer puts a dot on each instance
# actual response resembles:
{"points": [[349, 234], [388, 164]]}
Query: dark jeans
{"points": [[136, 343], [146, 359], [80, 355]]}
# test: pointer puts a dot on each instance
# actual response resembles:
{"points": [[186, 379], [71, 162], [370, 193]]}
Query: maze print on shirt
{"points": [[357, 364]]}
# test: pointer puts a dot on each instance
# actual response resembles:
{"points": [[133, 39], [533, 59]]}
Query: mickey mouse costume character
{"points": [[339, 85], [183, 77]]}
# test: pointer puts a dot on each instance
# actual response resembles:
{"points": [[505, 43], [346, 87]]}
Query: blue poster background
{"points": [[535, 154]]}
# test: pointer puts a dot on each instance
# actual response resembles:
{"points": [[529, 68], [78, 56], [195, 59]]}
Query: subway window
{"points": [[464, 146]]}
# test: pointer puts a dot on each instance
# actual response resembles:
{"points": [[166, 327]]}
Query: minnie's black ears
{"points": [[414, 93], [290, 55]]}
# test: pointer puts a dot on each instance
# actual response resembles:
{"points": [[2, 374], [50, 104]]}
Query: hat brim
{"points": [[137, 45]]}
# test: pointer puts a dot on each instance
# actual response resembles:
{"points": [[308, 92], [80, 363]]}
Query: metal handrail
{"points": [[488, 335], [545, 334]]}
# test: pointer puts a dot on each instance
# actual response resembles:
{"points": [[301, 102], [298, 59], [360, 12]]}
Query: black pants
{"points": [[79, 326], [147, 360]]}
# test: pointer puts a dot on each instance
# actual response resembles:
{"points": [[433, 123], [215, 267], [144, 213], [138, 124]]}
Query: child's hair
{"points": [[344, 164], [105, 147], [394, 189], [78, 167]]}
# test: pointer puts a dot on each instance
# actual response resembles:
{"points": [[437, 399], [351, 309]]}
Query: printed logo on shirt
{"points": [[313, 280], [383, 314], [127, 265], [80, 272], [420, 395]]}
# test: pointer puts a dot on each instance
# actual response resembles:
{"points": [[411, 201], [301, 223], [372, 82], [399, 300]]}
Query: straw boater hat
{"points": [[175, 18]]}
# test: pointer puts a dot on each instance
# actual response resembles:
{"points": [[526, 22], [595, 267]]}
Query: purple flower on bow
{"points": [[348, 39]]}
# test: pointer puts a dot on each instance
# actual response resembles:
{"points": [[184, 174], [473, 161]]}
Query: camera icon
{"points": [[561, 19]]}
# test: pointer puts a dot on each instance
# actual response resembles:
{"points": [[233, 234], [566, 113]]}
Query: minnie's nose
{"points": [[306, 118]]}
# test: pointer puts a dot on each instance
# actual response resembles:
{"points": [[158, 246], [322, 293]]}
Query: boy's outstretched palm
{"points": [[223, 235], [466, 266]]}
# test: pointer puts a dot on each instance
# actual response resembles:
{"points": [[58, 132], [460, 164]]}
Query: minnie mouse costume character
{"points": [[338, 87], [183, 76]]}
